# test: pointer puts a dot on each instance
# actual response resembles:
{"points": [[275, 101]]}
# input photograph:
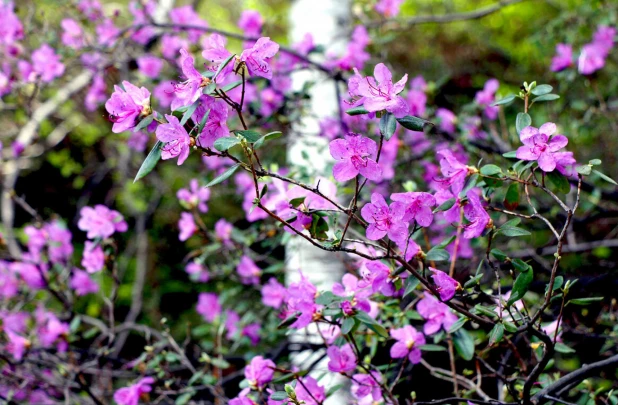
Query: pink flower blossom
{"points": [[256, 58], [223, 231], [150, 66], [565, 162], [16, 345], [447, 120], [177, 141], [187, 92], [216, 124], [407, 345], [164, 93], [384, 219], [131, 395], [208, 306], [453, 170], [125, 106], [251, 22], [46, 63], [445, 285], [341, 359], [379, 93], [418, 207], [97, 93], [91, 9], [310, 392], [51, 331], [195, 196], [593, 55], [82, 283], [377, 275], [11, 29], [541, 145], [187, 226], [367, 386], [101, 222], [259, 372], [248, 271], [72, 35], [273, 293], [172, 44], [388, 8], [437, 315], [563, 58], [356, 155], [301, 298], [476, 214], [107, 32], [93, 258], [214, 51], [417, 99], [252, 331], [487, 96], [186, 15], [198, 271]]}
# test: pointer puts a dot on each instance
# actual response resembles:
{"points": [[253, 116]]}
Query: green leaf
{"points": [[318, 228], [279, 395], [437, 255], [249, 135], [334, 389], [371, 323], [231, 86], [357, 111], [326, 298], [411, 284], [184, 398], [210, 88], [522, 283], [545, 97], [224, 176], [498, 254], [189, 112], [295, 202], [585, 301], [496, 333], [584, 170], [523, 120], [150, 162], [202, 123], [542, 89], [144, 123], [432, 348], [222, 66], [445, 242], [446, 205], [562, 348], [520, 265], [464, 344], [388, 125], [458, 325], [559, 181], [490, 170], [510, 327], [223, 144], [511, 198], [606, 178], [510, 155], [511, 232], [347, 325], [413, 123], [473, 280], [595, 162], [220, 363], [267, 137], [506, 100], [557, 284]]}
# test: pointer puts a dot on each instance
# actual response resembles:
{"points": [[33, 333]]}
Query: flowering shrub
{"points": [[433, 243]]}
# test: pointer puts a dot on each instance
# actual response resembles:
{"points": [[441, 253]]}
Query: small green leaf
{"points": [[267, 137], [295, 202], [326, 298], [357, 111], [249, 135], [562, 348], [438, 255], [490, 170], [542, 89], [144, 123], [222, 66], [584, 170], [512, 196], [411, 284], [510, 155], [605, 177], [446, 205], [225, 143], [511, 232], [585, 301], [371, 323], [445, 242], [498, 254], [347, 326], [559, 181], [520, 265], [184, 398], [189, 112], [279, 396], [231, 86], [458, 325], [334, 389], [210, 88], [557, 284], [464, 344], [432, 348], [506, 100], [523, 120], [545, 97], [150, 162], [522, 283], [224, 176], [388, 125], [413, 123], [595, 162], [220, 363], [496, 333]]}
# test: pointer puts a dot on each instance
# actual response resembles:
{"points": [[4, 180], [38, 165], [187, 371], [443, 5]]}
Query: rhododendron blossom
{"points": [[563, 58], [384, 219], [101, 222], [541, 145], [256, 58], [379, 92], [126, 105], [356, 155], [259, 372], [407, 343], [437, 315], [131, 395], [445, 285], [476, 214], [341, 359], [177, 141], [418, 207]]}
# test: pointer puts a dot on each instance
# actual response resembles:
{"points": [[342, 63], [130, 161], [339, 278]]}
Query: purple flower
{"points": [[125, 106], [248, 271], [51, 331], [100, 222], [377, 275], [131, 395], [388, 8], [256, 58], [365, 385], [259, 372], [16, 345], [186, 15], [59, 244], [72, 33], [476, 214], [196, 196], [565, 162], [46, 63], [216, 53], [384, 220], [216, 124], [11, 29], [592, 57], [82, 283], [177, 141], [251, 22], [231, 323], [447, 120], [97, 93], [341, 360], [208, 306], [417, 99], [540, 145], [437, 314], [187, 92], [445, 285], [107, 32], [197, 271], [150, 66], [93, 258], [379, 93], [453, 170], [301, 298], [417, 207], [309, 391], [355, 154], [223, 231], [408, 342], [187, 226], [487, 96], [563, 58], [273, 294], [252, 331]]}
